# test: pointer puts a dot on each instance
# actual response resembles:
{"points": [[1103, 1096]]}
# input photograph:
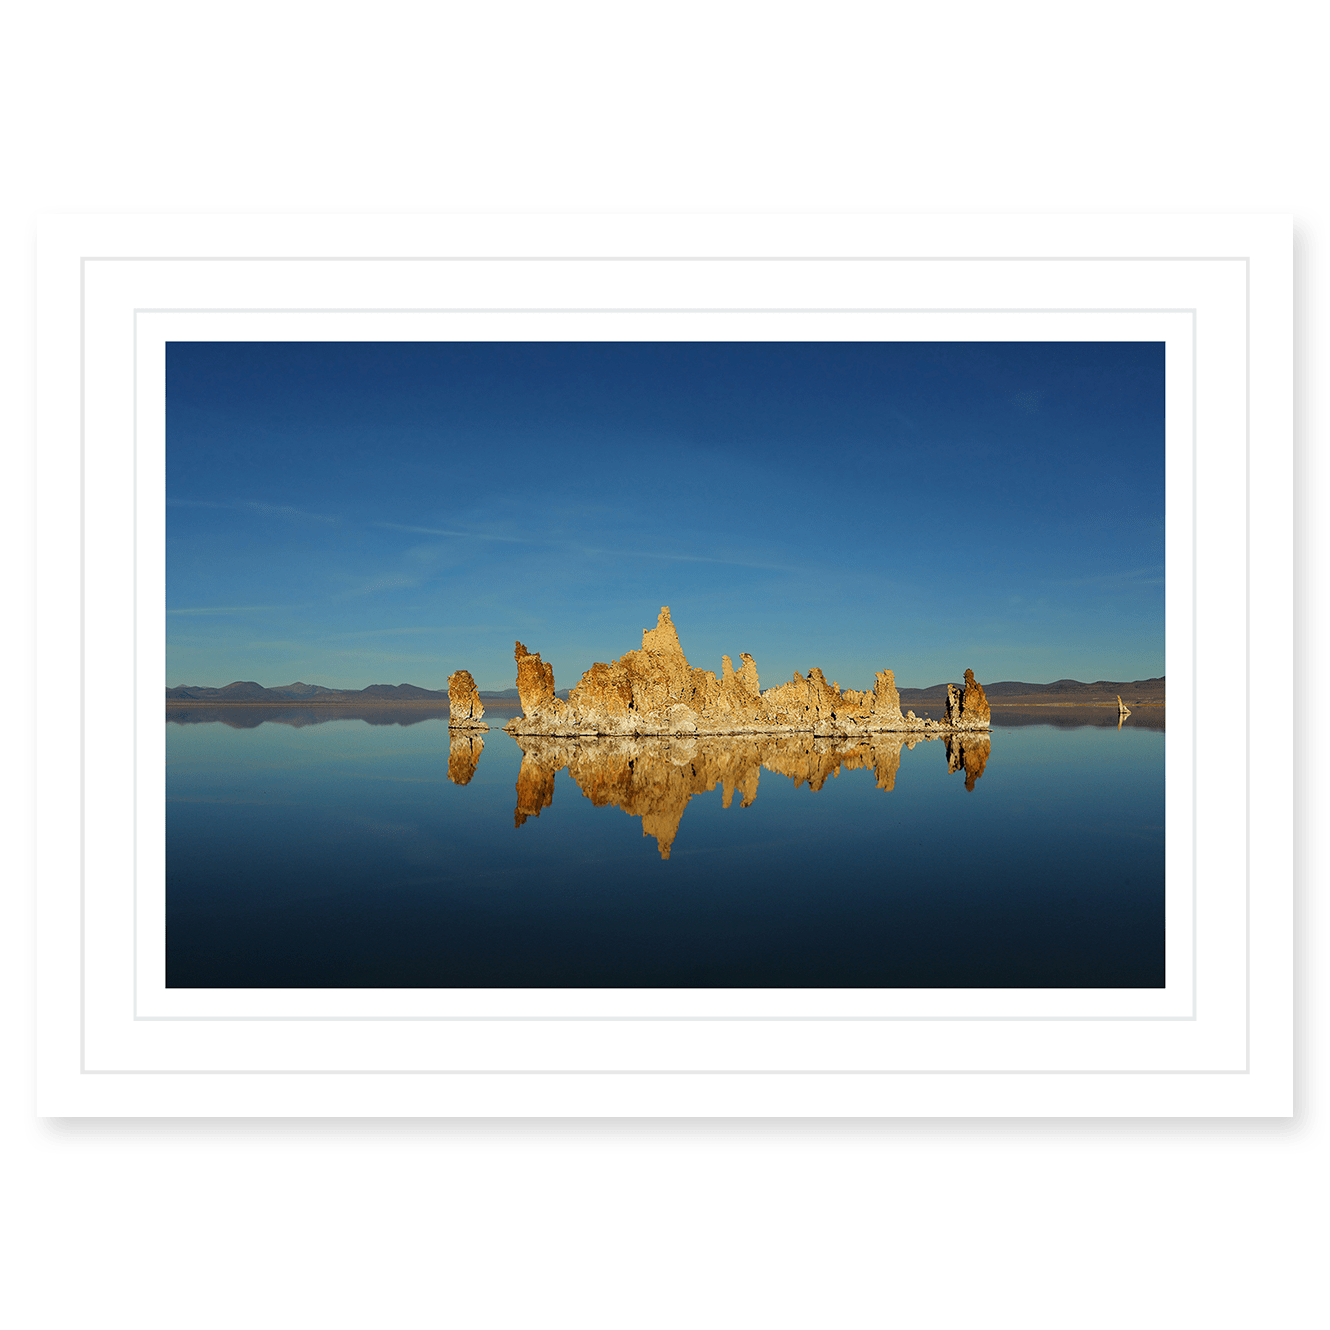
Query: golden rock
{"points": [[655, 691], [465, 708]]}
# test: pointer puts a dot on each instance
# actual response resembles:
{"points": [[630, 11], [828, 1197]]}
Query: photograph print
{"points": [[632, 664]]}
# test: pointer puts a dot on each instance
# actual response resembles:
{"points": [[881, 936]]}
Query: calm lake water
{"points": [[304, 851]]}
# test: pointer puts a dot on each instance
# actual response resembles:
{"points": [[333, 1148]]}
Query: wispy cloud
{"points": [[203, 610], [367, 586], [466, 535], [588, 550], [389, 632], [283, 510], [682, 558], [383, 657], [585, 549], [1150, 575]]}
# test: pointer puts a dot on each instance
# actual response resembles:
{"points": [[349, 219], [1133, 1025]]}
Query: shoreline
{"points": [[1079, 706], [1018, 705], [422, 703]]}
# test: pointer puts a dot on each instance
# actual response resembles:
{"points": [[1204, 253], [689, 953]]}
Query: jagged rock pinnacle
{"points": [[655, 691], [465, 708]]}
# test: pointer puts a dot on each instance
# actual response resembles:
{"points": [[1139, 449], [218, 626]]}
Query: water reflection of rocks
{"points": [[654, 779], [463, 756]]}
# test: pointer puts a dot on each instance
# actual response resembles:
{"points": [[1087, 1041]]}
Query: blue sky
{"points": [[356, 513]]}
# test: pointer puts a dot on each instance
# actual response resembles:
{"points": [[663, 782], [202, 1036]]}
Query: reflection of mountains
{"points": [[241, 717], [1143, 717], [655, 778]]}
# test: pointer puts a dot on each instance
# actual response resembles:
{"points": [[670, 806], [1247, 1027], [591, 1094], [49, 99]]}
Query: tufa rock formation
{"points": [[967, 708], [465, 708], [1122, 707], [535, 681], [655, 691]]}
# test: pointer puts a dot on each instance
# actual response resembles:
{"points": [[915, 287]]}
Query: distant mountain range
{"points": [[248, 691], [1060, 690], [1008, 692]]}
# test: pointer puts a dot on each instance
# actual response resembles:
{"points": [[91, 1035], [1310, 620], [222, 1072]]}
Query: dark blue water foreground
{"points": [[343, 853]]}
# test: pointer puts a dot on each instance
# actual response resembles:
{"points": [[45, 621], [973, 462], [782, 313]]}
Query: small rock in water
{"points": [[465, 708]]}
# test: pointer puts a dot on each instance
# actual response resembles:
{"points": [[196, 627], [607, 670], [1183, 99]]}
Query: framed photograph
{"points": [[665, 665]]}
